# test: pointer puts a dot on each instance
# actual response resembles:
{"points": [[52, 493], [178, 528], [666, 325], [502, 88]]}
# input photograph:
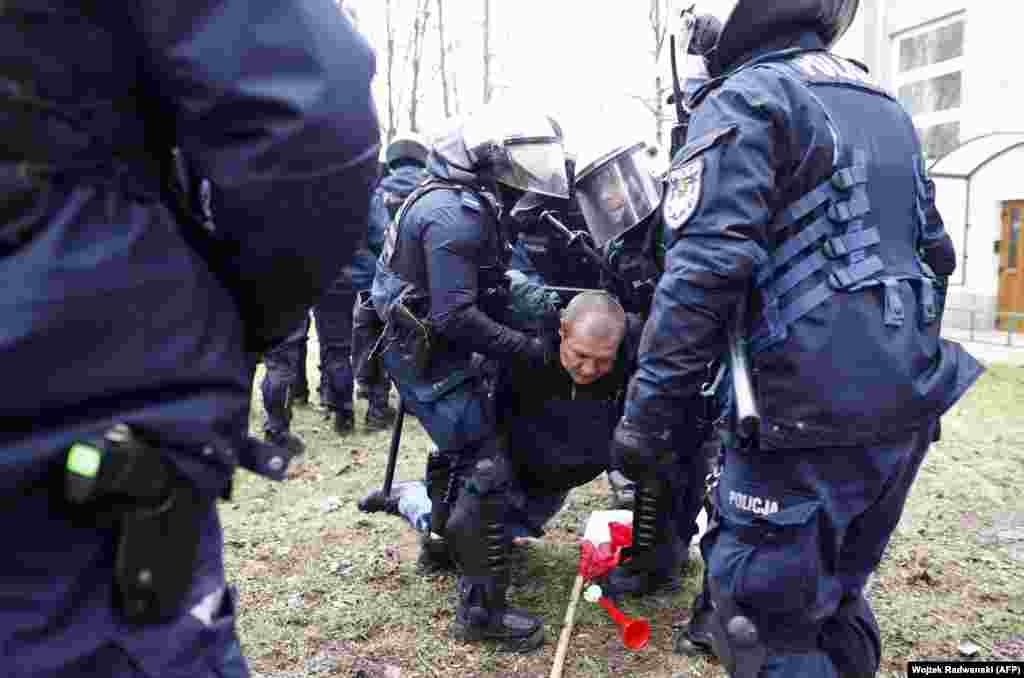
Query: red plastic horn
{"points": [[635, 631]]}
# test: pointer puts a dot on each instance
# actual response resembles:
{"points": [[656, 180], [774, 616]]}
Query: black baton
{"points": [[396, 439], [378, 500]]}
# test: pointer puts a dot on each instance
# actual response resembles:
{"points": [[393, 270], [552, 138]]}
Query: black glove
{"points": [[638, 452]]}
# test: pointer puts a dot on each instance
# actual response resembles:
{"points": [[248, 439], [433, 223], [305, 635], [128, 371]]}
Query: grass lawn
{"points": [[329, 591]]}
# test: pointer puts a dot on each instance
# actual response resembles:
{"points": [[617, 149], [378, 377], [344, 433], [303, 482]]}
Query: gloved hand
{"points": [[638, 452], [529, 306]]}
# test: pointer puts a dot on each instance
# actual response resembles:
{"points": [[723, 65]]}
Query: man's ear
{"points": [[563, 328]]}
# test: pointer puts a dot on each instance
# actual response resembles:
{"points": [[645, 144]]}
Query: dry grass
{"points": [[329, 591]]}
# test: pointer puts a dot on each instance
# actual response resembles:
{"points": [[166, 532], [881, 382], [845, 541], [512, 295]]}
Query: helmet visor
{"points": [[535, 165], [616, 193]]}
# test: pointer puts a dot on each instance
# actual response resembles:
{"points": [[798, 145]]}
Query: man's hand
{"points": [[637, 452]]}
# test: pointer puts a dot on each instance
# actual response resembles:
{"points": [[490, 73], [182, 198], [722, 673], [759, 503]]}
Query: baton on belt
{"points": [[748, 417]]}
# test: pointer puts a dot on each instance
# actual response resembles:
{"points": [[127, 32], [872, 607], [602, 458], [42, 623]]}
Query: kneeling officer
{"points": [[436, 288]]}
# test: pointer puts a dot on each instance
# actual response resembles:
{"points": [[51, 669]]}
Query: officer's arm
{"points": [[272, 103], [710, 261], [453, 245], [936, 245]]}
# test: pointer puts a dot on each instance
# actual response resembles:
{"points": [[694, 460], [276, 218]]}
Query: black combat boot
{"points": [[694, 637], [298, 395], [657, 557], [483, 613], [379, 415], [287, 440], [344, 422], [434, 555]]}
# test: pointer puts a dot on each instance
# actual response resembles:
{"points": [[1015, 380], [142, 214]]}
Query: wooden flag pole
{"points": [[570, 618]]}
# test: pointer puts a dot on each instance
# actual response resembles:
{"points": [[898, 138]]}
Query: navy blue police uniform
{"points": [[638, 258], [443, 256], [282, 382], [802, 180], [130, 309], [371, 379], [333, 315]]}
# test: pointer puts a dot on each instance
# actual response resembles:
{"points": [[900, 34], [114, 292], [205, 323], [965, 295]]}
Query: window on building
{"points": [[929, 67], [937, 140]]}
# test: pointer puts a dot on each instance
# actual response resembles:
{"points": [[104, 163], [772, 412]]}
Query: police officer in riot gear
{"points": [[801, 185], [405, 160], [619, 199], [437, 287], [133, 328]]}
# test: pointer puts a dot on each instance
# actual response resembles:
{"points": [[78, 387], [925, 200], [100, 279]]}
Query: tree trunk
{"points": [[455, 93], [444, 49], [487, 52], [389, 28], [419, 31], [659, 116], [658, 16]]}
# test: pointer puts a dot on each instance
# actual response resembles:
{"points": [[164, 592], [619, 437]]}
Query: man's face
{"points": [[614, 202], [586, 351]]}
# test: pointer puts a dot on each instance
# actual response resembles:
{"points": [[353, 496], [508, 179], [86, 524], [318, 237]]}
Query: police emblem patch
{"points": [[683, 192]]}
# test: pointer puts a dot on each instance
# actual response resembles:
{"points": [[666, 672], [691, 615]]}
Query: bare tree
{"points": [[658, 20], [389, 28], [443, 55], [488, 86], [455, 93], [419, 31]]}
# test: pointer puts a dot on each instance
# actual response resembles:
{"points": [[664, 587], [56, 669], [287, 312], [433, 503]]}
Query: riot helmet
{"points": [[753, 23], [703, 39], [616, 192], [406, 148], [515, 147]]}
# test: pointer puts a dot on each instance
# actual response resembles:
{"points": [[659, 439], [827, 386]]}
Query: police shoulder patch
{"points": [[682, 193]]}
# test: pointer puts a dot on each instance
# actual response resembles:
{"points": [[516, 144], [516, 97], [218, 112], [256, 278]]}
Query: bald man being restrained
{"points": [[558, 420]]}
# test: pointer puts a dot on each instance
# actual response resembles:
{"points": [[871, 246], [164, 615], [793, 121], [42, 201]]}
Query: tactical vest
{"points": [[846, 344], [64, 119], [397, 275]]}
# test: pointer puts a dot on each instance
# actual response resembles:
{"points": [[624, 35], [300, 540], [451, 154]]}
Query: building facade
{"points": [[953, 64]]}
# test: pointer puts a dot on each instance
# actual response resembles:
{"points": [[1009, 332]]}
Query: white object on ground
{"points": [[597, 530]]}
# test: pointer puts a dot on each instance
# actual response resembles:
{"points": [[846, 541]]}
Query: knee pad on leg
{"points": [[476, 526], [853, 640]]}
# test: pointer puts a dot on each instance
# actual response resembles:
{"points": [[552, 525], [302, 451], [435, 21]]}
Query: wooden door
{"points": [[1011, 262]]}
